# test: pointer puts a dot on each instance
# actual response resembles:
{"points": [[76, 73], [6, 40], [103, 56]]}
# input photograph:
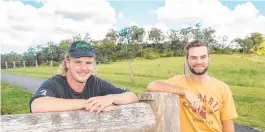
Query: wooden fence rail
{"points": [[156, 112]]}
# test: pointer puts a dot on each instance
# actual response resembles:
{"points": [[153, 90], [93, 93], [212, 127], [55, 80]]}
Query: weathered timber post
{"points": [[156, 112], [166, 110]]}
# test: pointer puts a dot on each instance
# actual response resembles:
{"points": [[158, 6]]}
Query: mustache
{"points": [[84, 71], [199, 65]]}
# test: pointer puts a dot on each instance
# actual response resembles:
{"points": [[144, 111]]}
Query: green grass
{"points": [[250, 106], [250, 103], [245, 74], [14, 100], [237, 70]]}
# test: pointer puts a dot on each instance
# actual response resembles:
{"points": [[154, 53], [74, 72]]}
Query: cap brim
{"points": [[81, 53]]}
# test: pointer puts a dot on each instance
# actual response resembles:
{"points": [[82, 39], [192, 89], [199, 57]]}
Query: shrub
{"points": [[167, 54], [56, 63], [150, 53], [179, 53]]}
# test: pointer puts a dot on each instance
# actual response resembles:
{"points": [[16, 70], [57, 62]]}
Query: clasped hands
{"points": [[99, 104]]}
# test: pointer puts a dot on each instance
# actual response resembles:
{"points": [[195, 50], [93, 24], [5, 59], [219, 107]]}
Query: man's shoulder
{"points": [[93, 78], [54, 80], [220, 84], [176, 79]]}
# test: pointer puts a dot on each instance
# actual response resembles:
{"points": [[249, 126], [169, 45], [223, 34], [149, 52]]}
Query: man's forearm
{"points": [[51, 104], [160, 86], [124, 98], [228, 126]]}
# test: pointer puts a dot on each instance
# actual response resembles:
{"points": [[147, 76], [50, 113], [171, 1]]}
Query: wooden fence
{"points": [[156, 112]]}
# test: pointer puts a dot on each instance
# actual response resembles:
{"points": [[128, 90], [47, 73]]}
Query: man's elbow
{"points": [[134, 98], [36, 110], [152, 87], [36, 107]]}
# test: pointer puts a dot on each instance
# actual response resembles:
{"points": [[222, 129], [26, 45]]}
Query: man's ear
{"points": [[186, 59], [67, 63]]}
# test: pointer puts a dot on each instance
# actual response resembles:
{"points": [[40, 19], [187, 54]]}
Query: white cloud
{"points": [[132, 24], [241, 21], [23, 25], [161, 26], [120, 15], [164, 28]]}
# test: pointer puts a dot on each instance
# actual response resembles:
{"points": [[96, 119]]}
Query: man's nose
{"points": [[82, 67], [199, 61]]}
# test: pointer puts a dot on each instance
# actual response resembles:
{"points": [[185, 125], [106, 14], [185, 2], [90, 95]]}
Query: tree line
{"points": [[131, 42]]}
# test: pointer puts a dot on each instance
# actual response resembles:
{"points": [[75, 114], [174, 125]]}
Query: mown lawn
{"points": [[245, 74], [14, 100], [239, 70]]}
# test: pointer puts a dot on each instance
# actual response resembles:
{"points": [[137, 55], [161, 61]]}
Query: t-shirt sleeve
{"points": [[228, 110], [106, 88], [173, 80], [46, 89]]}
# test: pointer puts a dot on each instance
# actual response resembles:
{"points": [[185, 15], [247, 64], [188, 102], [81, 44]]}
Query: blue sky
{"points": [[137, 11], [28, 23]]}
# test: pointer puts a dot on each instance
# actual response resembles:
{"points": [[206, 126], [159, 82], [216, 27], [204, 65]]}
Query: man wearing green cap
{"points": [[76, 88]]}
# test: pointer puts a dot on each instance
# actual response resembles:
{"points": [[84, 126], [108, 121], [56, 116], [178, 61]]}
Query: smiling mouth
{"points": [[199, 67], [82, 74]]}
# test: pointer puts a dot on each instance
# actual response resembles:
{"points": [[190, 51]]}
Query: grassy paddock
{"points": [[14, 100], [239, 70], [250, 103], [245, 74]]}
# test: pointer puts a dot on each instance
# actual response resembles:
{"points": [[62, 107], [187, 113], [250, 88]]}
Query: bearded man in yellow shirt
{"points": [[206, 103]]}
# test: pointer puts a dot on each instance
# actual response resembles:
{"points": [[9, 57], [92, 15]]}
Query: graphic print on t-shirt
{"points": [[43, 92], [209, 107]]}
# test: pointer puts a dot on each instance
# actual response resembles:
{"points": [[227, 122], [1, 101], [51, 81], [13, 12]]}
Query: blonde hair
{"points": [[64, 69]]}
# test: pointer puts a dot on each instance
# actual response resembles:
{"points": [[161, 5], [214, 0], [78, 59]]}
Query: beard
{"points": [[201, 72]]}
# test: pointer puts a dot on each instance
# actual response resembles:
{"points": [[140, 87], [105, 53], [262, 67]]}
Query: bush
{"points": [[56, 63], [261, 51], [150, 53], [114, 57], [48, 63], [228, 51], [179, 53], [167, 54], [223, 51]]}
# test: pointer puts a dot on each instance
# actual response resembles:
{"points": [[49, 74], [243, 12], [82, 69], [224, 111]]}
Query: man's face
{"points": [[80, 68], [198, 60]]}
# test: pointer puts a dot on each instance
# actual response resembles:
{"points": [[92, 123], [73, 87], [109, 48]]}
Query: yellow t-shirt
{"points": [[217, 102]]}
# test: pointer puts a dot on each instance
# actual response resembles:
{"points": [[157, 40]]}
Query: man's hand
{"points": [[193, 99], [98, 103], [107, 108]]}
